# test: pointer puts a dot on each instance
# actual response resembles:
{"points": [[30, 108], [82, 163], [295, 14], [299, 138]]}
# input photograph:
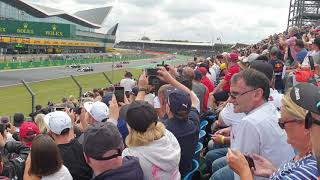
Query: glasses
{"points": [[108, 158], [238, 95], [282, 123], [310, 120]]}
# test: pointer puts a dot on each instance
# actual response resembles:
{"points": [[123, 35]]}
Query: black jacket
{"points": [[14, 157]]}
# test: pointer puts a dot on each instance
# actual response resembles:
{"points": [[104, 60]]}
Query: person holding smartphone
{"points": [[302, 166]]}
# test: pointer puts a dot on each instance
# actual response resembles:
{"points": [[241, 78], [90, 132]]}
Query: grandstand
{"points": [[27, 28], [302, 12], [190, 48]]}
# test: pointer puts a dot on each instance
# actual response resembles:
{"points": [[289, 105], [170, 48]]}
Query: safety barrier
{"points": [[48, 63]]}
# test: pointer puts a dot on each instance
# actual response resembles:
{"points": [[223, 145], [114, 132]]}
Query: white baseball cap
{"points": [[252, 57], [58, 121], [98, 110]]}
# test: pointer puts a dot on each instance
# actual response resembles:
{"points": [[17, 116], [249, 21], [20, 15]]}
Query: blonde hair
{"points": [[292, 108], [154, 132], [39, 120]]}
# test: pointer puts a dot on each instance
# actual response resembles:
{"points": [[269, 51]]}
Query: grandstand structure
{"points": [[190, 48], [302, 12], [27, 28]]}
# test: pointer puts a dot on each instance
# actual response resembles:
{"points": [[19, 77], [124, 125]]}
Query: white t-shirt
{"points": [[198, 102], [62, 174], [232, 119], [156, 103], [259, 133], [305, 62], [150, 99], [128, 84], [275, 98]]}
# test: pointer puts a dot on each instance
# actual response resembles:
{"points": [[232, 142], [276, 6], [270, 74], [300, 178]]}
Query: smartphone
{"points": [[152, 72], [119, 93], [250, 161], [311, 62]]}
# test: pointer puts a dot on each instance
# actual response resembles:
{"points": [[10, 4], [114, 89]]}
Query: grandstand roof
{"points": [[42, 12]]}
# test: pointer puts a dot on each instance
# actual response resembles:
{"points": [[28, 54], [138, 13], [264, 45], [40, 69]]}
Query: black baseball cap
{"points": [[263, 67], [140, 115], [100, 138], [307, 96]]}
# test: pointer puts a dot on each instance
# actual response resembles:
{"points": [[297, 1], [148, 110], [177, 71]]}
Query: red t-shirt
{"points": [[206, 81], [231, 71]]}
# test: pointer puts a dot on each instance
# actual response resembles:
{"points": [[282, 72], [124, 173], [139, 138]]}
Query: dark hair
{"points": [[38, 107], [263, 67], [262, 58], [65, 132], [45, 156], [254, 79], [128, 74], [299, 43]]}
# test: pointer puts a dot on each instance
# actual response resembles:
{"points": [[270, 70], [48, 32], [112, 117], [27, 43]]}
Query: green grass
{"points": [[17, 99]]}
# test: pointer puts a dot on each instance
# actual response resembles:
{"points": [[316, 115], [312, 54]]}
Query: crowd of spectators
{"points": [[254, 113]]}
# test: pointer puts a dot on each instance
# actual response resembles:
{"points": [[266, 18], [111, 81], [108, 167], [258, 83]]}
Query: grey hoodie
{"points": [[160, 159]]}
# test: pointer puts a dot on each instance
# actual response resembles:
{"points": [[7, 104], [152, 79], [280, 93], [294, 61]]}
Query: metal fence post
{"points": [[79, 86], [108, 79], [33, 98]]}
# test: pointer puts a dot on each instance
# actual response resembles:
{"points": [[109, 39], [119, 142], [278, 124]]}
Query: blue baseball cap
{"points": [[178, 101]]}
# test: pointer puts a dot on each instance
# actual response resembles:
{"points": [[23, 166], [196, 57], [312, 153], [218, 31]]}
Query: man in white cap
{"points": [[61, 129]]}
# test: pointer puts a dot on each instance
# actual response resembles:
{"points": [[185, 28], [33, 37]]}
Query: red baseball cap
{"points": [[203, 70], [28, 130], [233, 57]]}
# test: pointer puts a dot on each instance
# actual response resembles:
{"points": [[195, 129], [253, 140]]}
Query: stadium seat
{"points": [[202, 134], [203, 124], [198, 150], [195, 166]]}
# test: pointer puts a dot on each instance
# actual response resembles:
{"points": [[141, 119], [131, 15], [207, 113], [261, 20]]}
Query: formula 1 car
{"points": [[118, 66], [85, 69], [74, 66]]}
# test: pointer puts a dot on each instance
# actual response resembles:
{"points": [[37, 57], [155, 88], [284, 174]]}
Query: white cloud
{"points": [[245, 21]]}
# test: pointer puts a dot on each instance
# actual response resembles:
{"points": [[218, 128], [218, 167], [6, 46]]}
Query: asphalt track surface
{"points": [[14, 77]]}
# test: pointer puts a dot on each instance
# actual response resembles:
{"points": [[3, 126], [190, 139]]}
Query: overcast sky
{"points": [[246, 21]]}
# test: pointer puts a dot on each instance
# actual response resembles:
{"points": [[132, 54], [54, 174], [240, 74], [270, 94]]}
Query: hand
{"points": [[224, 132], [237, 162], [172, 70], [164, 75], [264, 167], [2, 141], [126, 101], [143, 81], [113, 108], [12, 129], [71, 114], [216, 138]]}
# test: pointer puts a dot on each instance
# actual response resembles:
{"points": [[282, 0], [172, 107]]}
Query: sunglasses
{"points": [[235, 96], [309, 120], [282, 123]]}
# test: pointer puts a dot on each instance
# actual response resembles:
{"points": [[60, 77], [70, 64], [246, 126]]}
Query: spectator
{"points": [[315, 52], [18, 119], [278, 67], [45, 161], [39, 120], [290, 43], [183, 122], [28, 131], [102, 147], [258, 132], [301, 51], [303, 165], [128, 83], [5, 120], [201, 91], [61, 129], [157, 148], [221, 92], [274, 97], [205, 80]]}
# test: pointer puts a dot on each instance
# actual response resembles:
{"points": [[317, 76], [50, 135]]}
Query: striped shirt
{"points": [[304, 169]]}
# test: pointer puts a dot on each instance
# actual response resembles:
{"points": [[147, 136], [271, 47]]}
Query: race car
{"points": [[118, 66], [85, 69], [74, 66], [153, 61], [125, 62]]}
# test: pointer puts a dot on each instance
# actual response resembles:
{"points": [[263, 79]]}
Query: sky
{"points": [[244, 21]]}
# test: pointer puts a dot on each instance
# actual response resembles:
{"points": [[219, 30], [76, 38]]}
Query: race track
{"points": [[14, 77]]}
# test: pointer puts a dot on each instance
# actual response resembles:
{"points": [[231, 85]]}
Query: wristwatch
{"points": [[143, 89]]}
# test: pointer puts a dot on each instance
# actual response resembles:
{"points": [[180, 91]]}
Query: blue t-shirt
{"points": [[187, 134], [278, 66], [305, 168], [301, 55]]}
